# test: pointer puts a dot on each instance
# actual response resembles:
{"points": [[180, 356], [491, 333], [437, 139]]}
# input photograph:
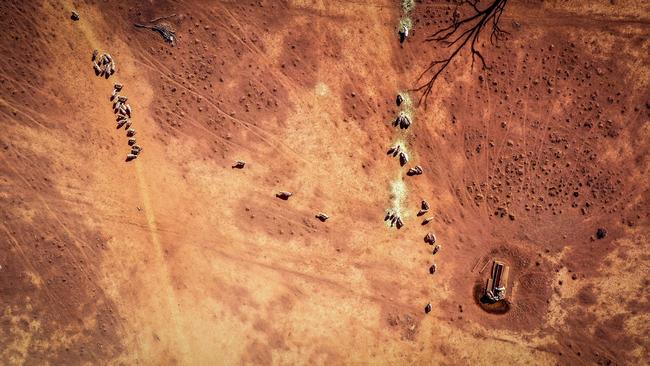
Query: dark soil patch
{"points": [[499, 307]]}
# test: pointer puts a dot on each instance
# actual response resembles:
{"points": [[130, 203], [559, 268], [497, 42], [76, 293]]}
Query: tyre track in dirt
{"points": [[260, 133], [166, 287], [5, 103], [336, 286]]}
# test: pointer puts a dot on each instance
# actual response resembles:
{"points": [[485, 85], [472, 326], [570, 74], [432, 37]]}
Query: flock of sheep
{"points": [[404, 122], [104, 65]]}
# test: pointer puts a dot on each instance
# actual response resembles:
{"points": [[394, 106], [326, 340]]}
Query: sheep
{"points": [[399, 223], [404, 122], [424, 208], [322, 217], [430, 239], [284, 195], [425, 205], [397, 121], [403, 158], [417, 170]]}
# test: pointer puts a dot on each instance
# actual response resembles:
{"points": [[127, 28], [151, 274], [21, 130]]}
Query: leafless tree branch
{"points": [[459, 35]]}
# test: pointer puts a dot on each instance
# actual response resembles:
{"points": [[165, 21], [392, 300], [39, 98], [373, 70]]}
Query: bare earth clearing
{"points": [[176, 258]]}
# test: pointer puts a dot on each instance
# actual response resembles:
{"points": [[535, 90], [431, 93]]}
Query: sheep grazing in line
{"points": [[399, 223], [403, 33], [436, 249], [417, 170], [427, 220], [403, 158], [404, 122], [393, 150], [424, 208], [430, 239]]}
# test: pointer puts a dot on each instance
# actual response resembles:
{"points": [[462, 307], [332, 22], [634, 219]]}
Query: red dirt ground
{"points": [[175, 258]]}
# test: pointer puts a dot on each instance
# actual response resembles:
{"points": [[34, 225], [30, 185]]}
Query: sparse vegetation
{"points": [[398, 193], [407, 8], [408, 5]]}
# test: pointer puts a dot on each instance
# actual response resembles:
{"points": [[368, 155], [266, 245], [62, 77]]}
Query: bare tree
{"points": [[459, 35]]}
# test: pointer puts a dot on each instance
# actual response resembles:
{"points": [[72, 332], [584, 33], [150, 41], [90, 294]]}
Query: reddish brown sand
{"points": [[175, 258]]}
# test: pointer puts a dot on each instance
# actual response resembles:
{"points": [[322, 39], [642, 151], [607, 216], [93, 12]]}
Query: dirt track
{"points": [[176, 258]]}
